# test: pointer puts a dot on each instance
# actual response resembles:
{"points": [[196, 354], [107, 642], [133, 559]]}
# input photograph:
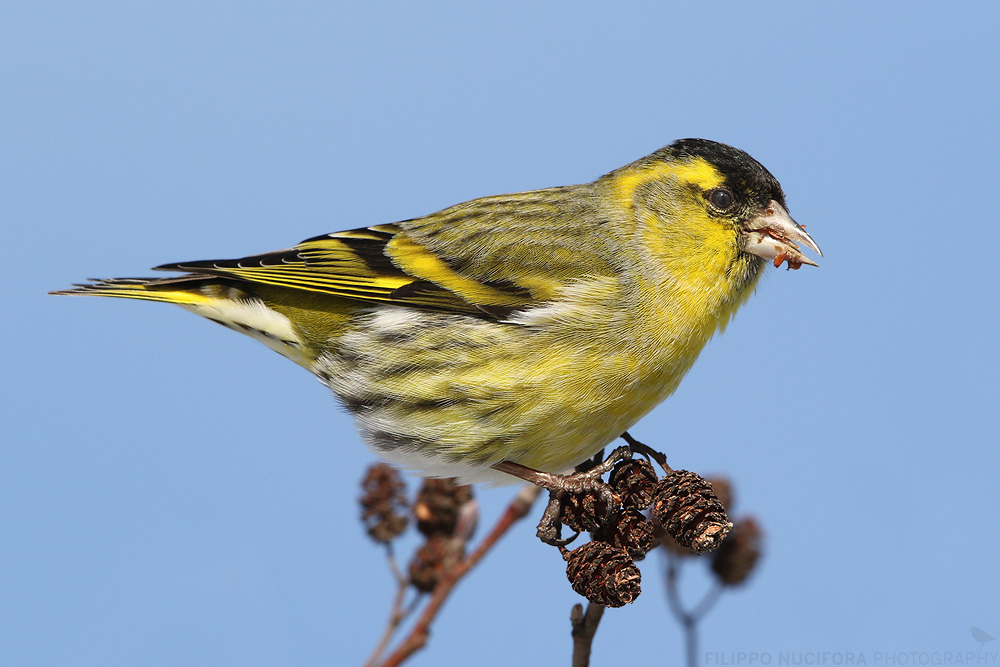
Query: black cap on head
{"points": [[744, 175]]}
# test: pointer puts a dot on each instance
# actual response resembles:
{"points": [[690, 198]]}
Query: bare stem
{"points": [[646, 451], [584, 629], [688, 619], [398, 613]]}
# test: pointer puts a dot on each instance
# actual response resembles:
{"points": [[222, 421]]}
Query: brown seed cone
{"points": [[689, 511], [628, 530], [383, 503], [438, 505], [739, 553], [635, 482], [584, 512], [603, 574], [723, 489], [433, 559]]}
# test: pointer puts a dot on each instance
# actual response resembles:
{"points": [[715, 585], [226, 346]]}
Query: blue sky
{"points": [[172, 493]]}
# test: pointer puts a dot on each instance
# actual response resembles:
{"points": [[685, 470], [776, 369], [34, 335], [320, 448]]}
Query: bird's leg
{"points": [[561, 486], [575, 482]]}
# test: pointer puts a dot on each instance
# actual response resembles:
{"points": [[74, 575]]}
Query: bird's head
{"points": [[713, 202]]}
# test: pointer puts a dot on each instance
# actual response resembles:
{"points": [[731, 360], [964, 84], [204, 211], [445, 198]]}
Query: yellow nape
{"points": [[697, 171]]}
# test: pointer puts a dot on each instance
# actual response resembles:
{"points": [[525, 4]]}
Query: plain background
{"points": [[172, 493]]}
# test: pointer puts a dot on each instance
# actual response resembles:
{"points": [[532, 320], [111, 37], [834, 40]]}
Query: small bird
{"points": [[981, 636], [531, 328]]}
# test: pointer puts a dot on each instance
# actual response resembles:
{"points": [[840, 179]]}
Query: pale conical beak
{"points": [[774, 236]]}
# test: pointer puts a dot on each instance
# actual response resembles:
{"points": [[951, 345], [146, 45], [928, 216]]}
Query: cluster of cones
{"points": [[680, 508], [634, 512], [444, 512]]}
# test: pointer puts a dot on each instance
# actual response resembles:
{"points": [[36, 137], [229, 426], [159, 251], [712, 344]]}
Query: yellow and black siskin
{"points": [[533, 327]]}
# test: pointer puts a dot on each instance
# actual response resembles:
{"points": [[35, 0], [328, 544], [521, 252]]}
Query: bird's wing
{"points": [[490, 256], [350, 264]]}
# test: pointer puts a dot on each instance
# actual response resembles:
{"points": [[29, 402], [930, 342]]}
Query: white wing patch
{"points": [[253, 318], [391, 319]]}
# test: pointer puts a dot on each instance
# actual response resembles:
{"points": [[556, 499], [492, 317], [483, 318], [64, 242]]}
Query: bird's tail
{"points": [[221, 300], [183, 291]]}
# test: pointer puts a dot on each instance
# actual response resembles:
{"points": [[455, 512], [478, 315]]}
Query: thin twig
{"points": [[707, 602], [647, 451], [584, 629], [417, 638], [398, 613], [688, 619]]}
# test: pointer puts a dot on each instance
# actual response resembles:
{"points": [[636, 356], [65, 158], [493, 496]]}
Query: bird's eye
{"points": [[721, 199]]}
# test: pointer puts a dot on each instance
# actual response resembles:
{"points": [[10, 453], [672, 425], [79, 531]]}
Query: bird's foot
{"points": [[581, 500]]}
